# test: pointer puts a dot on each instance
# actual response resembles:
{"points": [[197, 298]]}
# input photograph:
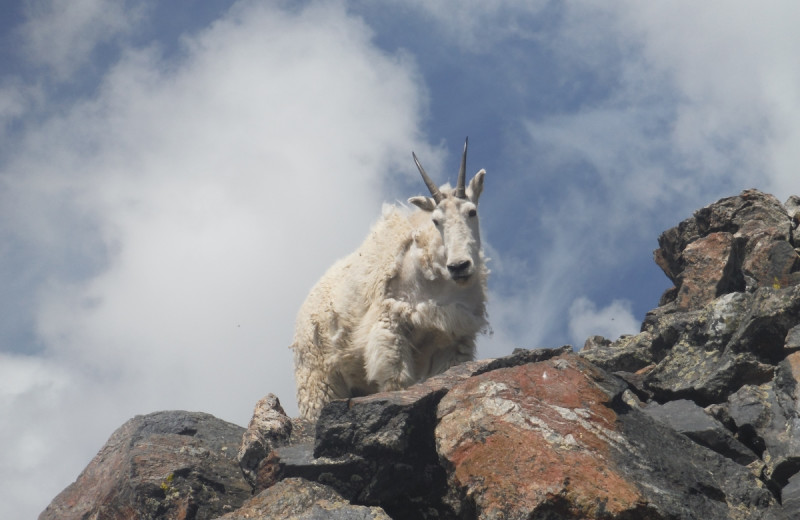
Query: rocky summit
{"points": [[695, 417]]}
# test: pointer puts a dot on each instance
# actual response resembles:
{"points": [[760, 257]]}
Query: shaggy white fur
{"points": [[406, 305]]}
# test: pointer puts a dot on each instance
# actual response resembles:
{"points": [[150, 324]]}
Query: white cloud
{"points": [[213, 180], [703, 102], [35, 405], [729, 70], [209, 194], [611, 321]]}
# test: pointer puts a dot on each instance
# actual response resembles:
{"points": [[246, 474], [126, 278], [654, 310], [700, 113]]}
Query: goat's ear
{"points": [[475, 187], [423, 203]]}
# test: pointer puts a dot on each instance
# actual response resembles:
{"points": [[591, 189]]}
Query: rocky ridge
{"points": [[696, 416]]}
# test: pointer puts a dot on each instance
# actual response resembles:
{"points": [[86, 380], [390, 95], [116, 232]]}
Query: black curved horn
{"points": [[461, 191], [435, 193]]}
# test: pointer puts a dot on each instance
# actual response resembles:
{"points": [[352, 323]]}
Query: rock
{"points": [[749, 409], [345, 472], [705, 353], [736, 243], [790, 497], [704, 375], [792, 206], [269, 429], [636, 382], [520, 356], [765, 324], [301, 499], [792, 341], [710, 270], [555, 440], [724, 337], [709, 352], [767, 419], [627, 354], [389, 437], [770, 262], [387, 422], [166, 465], [686, 417], [595, 342]]}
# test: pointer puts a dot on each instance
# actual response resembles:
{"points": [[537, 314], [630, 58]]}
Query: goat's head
{"points": [[454, 212]]}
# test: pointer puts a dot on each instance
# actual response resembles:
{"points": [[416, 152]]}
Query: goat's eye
{"points": [[436, 222], [472, 212]]}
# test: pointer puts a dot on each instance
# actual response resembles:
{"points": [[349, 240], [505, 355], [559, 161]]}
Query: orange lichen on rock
{"points": [[535, 437]]}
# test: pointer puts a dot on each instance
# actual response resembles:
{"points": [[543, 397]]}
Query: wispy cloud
{"points": [[64, 36], [479, 26]]}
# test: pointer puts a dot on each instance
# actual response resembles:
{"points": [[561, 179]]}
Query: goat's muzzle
{"points": [[460, 271]]}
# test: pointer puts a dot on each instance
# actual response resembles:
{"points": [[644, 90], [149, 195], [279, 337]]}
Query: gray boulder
{"points": [[165, 465]]}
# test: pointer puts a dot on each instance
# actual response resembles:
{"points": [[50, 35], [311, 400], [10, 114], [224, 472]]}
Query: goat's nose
{"points": [[458, 268]]}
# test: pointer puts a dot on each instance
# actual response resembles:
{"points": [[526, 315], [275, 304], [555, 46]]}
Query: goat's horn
{"points": [[461, 192], [435, 193]]}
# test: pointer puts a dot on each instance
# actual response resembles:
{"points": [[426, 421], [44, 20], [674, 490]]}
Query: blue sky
{"points": [[175, 176]]}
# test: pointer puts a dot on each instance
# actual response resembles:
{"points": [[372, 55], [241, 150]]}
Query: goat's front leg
{"points": [[389, 355], [459, 352]]}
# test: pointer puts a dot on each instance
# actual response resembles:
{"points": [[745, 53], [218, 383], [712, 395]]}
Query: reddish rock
{"points": [[737, 243], [358, 425], [710, 263], [554, 440], [542, 440], [380, 449]]}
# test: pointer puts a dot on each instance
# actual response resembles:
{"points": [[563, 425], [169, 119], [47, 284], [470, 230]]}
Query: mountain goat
{"points": [[406, 305]]}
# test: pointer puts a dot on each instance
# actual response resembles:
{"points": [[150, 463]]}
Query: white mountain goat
{"points": [[404, 306]]}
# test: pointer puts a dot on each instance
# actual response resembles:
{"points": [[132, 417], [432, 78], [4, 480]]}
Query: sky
{"points": [[175, 177]]}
